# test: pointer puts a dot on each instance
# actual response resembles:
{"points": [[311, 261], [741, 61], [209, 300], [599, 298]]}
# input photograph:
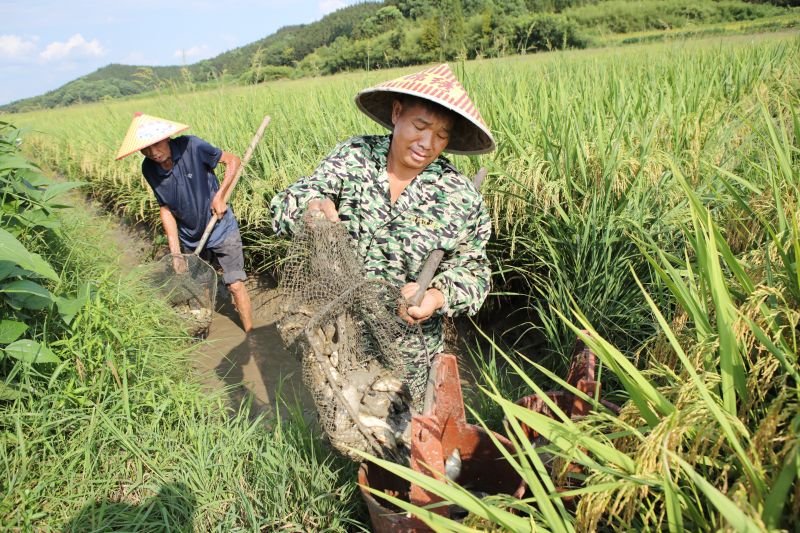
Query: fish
{"points": [[375, 405], [385, 437], [315, 340], [329, 330], [387, 384], [373, 422]]}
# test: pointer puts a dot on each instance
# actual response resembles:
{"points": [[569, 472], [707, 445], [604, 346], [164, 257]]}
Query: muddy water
{"points": [[256, 366]]}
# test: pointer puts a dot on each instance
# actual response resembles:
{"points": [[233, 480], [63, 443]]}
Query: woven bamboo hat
{"points": [[146, 130], [439, 85]]}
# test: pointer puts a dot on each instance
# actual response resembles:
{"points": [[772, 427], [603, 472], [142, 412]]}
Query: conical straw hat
{"points": [[146, 130], [437, 84]]}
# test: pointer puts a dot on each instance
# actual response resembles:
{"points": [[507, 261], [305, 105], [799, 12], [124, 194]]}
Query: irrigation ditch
{"points": [[255, 368]]}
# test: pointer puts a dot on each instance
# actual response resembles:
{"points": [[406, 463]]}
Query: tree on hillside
{"points": [[444, 32], [413, 9], [383, 20]]}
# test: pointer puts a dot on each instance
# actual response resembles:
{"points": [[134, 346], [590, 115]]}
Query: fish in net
{"points": [[364, 365], [189, 285]]}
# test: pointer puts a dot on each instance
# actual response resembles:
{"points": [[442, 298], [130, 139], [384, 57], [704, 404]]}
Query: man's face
{"points": [[419, 136], [158, 152]]}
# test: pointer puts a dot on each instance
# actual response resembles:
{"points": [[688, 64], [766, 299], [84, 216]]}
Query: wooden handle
{"points": [[435, 257], [246, 159]]}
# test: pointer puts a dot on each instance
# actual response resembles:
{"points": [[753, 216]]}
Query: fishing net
{"points": [[358, 356], [189, 284]]}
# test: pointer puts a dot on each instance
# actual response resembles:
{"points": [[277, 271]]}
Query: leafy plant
{"points": [[27, 206]]}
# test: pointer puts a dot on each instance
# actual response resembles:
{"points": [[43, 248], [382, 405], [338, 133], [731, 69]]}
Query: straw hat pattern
{"points": [[437, 84], [146, 130]]}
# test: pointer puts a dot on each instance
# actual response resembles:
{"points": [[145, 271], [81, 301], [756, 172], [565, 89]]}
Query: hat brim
{"points": [[170, 134], [471, 138]]}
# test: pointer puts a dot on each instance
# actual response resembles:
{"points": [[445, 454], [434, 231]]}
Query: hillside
{"points": [[395, 33]]}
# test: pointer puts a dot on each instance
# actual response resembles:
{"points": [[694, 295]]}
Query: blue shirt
{"points": [[188, 188]]}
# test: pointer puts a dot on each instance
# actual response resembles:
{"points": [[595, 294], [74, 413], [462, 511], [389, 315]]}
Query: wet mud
{"points": [[256, 367]]}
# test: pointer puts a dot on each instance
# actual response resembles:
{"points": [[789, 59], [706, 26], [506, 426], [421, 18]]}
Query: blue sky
{"points": [[46, 43]]}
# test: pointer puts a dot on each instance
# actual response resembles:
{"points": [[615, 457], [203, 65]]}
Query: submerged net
{"points": [[354, 347], [189, 284]]}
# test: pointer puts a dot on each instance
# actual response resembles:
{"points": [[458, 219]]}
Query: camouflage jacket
{"points": [[440, 209]]}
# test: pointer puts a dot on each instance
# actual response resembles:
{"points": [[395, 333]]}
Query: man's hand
{"points": [[431, 302], [326, 207], [218, 206], [179, 264]]}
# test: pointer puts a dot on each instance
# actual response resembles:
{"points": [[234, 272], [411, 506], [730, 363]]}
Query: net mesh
{"points": [[189, 285], [355, 348]]}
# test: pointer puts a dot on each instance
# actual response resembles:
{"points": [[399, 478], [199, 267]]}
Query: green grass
{"points": [[119, 435]]}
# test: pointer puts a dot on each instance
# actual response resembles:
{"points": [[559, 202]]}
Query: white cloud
{"points": [[194, 52], [329, 6], [76, 46], [16, 47]]}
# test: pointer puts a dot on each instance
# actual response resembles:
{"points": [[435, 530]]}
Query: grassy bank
{"points": [[115, 435]]}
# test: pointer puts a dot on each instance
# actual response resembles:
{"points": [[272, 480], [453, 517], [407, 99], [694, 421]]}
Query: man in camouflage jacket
{"points": [[400, 200]]}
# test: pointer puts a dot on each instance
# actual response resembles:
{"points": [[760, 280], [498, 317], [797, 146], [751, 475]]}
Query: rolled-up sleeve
{"points": [[464, 275], [326, 182]]}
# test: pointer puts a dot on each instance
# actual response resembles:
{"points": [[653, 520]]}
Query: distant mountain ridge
{"points": [[116, 80], [392, 33]]}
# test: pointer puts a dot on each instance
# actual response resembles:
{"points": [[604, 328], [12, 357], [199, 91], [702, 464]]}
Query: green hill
{"points": [[396, 33]]}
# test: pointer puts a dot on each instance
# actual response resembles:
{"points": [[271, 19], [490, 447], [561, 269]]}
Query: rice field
{"points": [[583, 142], [647, 194]]}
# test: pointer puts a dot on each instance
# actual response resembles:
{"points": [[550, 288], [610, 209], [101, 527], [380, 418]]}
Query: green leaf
{"points": [[59, 188], [641, 391], [15, 162], [433, 520], [13, 250], [567, 436], [69, 307], [725, 420], [730, 358], [671, 499], [30, 351], [779, 493], [8, 269], [9, 393], [34, 178], [38, 218], [11, 330], [27, 191], [731, 512], [26, 294]]}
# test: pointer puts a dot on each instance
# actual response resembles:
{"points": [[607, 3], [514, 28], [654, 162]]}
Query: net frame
{"points": [[192, 293]]}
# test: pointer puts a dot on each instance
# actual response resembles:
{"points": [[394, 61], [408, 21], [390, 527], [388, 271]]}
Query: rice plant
{"points": [[708, 439]]}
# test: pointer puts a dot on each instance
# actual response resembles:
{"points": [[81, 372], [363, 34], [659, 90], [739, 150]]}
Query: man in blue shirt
{"points": [[181, 173]]}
